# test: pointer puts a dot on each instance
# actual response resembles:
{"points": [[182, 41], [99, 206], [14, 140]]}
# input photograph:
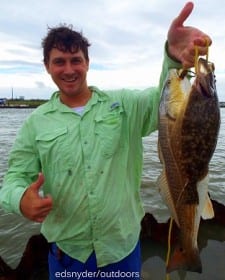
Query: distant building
{"points": [[2, 101]]}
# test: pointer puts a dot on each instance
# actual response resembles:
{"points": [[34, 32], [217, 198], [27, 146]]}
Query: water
{"points": [[15, 230]]}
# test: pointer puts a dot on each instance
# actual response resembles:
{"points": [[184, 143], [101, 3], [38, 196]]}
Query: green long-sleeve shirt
{"points": [[92, 164]]}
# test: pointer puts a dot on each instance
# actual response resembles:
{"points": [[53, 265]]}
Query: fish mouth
{"points": [[205, 81], [205, 78]]}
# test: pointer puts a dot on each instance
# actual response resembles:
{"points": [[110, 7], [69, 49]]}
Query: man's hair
{"points": [[65, 39]]}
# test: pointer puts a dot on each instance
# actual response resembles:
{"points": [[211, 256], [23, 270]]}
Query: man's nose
{"points": [[68, 68]]}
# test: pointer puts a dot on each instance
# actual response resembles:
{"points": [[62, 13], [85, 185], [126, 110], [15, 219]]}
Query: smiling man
{"points": [[68, 64], [84, 149]]}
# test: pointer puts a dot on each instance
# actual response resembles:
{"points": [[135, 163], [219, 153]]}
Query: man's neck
{"points": [[76, 100]]}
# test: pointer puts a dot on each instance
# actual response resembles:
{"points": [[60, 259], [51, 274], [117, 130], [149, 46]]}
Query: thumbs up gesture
{"points": [[32, 205]]}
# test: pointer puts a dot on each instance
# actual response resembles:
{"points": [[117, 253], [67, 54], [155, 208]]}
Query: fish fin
{"points": [[160, 153], [165, 193], [208, 212], [181, 260]]}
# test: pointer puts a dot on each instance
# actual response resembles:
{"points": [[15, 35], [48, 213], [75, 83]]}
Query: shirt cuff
{"points": [[171, 62], [11, 201]]}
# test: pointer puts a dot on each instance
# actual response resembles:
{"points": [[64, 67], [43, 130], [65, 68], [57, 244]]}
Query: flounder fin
{"points": [[208, 212], [165, 193]]}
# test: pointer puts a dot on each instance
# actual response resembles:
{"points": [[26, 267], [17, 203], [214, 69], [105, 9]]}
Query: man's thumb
{"points": [[38, 183], [184, 14]]}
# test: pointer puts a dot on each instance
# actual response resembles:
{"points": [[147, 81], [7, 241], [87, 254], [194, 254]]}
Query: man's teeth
{"points": [[70, 80]]}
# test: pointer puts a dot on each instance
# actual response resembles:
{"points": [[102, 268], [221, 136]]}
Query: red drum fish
{"points": [[189, 120]]}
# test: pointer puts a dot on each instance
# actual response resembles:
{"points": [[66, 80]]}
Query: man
{"points": [[83, 148]]}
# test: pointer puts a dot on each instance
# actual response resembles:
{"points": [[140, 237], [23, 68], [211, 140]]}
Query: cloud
{"points": [[127, 40]]}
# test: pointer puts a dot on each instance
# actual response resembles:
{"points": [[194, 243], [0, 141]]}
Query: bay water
{"points": [[15, 230]]}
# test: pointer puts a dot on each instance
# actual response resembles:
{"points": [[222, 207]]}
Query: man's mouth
{"points": [[69, 80]]}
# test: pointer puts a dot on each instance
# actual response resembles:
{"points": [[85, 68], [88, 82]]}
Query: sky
{"points": [[127, 41]]}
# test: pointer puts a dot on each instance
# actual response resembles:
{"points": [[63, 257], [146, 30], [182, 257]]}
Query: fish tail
{"points": [[180, 260]]}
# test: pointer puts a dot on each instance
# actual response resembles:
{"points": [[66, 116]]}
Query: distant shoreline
{"points": [[25, 106], [29, 104], [21, 103], [18, 107]]}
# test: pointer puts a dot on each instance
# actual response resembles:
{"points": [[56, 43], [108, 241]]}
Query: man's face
{"points": [[68, 71]]}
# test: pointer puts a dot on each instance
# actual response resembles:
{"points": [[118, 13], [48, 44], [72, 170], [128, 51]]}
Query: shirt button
{"points": [[69, 172], [85, 142]]}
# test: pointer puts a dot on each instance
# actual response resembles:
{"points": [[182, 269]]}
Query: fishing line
{"points": [[196, 59], [169, 246], [183, 73], [197, 54]]}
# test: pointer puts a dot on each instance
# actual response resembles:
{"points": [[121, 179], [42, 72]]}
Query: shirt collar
{"points": [[55, 103]]}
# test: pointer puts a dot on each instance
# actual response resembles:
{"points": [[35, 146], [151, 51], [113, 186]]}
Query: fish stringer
{"points": [[169, 246], [197, 54]]}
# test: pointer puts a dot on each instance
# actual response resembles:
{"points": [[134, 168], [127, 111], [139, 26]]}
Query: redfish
{"points": [[189, 121]]}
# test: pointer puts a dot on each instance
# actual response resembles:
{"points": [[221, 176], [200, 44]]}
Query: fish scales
{"points": [[189, 119], [199, 134]]}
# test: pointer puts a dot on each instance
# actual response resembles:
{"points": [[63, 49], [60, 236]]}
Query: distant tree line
{"points": [[30, 103]]}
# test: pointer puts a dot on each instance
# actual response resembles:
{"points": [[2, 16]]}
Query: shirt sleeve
{"points": [[22, 171]]}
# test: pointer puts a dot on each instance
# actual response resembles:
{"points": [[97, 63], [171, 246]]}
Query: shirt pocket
{"points": [[108, 129], [53, 149]]}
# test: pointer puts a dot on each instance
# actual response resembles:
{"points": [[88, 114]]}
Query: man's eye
{"points": [[76, 61], [58, 62]]}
